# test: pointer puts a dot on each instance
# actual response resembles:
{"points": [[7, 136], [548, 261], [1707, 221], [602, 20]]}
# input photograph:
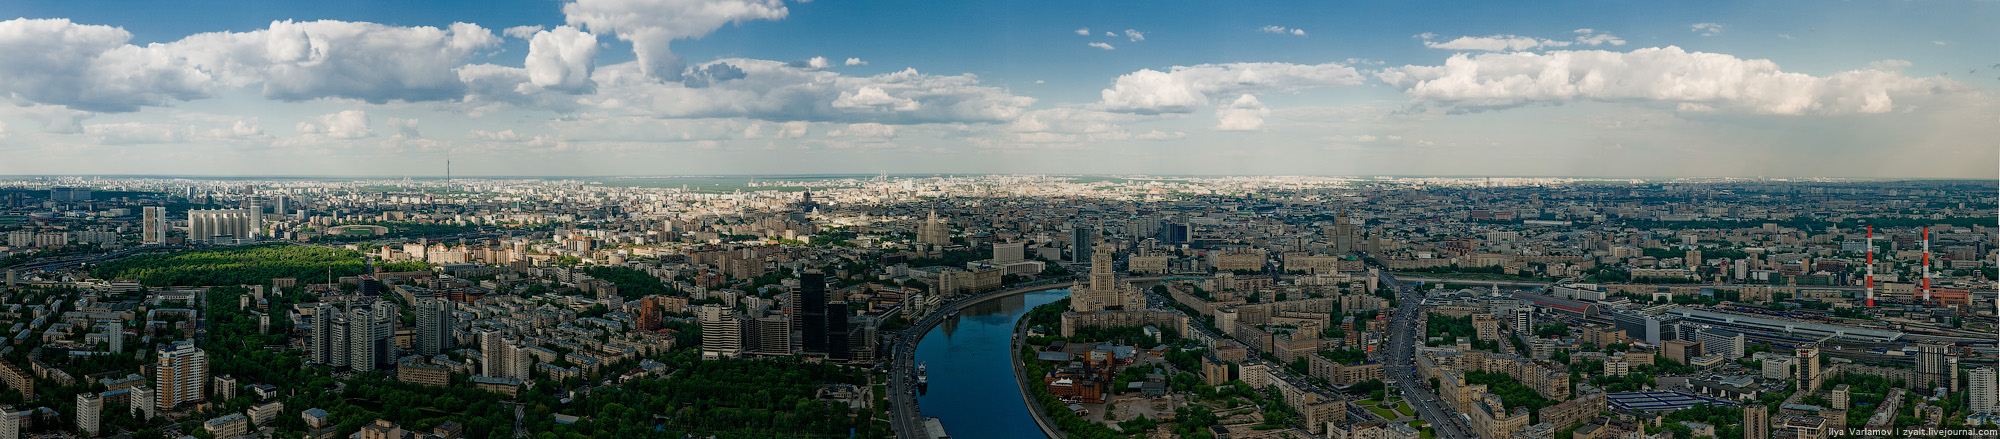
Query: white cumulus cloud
{"points": [[1245, 114], [1281, 30], [856, 62], [522, 32], [1083, 31], [90, 67], [1706, 29], [132, 133], [367, 61], [1183, 88], [1591, 37], [1496, 43], [350, 124], [405, 127], [562, 59], [874, 98], [1105, 46], [1669, 74], [867, 129], [1135, 36], [651, 25]]}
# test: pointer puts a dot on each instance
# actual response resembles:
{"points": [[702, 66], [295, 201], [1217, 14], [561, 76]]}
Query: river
{"points": [[972, 389]]}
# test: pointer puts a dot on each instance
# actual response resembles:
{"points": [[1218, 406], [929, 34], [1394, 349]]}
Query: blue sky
{"points": [[1852, 89]]}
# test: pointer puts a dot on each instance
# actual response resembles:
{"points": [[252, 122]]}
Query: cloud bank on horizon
{"points": [[758, 86]]}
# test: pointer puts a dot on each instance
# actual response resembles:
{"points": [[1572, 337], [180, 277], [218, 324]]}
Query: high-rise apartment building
{"points": [[182, 374], [1934, 366], [1809, 373], [89, 407], [649, 314], [10, 423], [153, 227], [496, 357], [145, 401], [435, 325], [1756, 422], [1982, 383], [360, 339], [320, 342], [114, 334], [206, 225]]}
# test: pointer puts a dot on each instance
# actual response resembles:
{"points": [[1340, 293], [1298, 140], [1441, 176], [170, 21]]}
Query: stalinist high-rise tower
{"points": [[933, 231], [1104, 292]]}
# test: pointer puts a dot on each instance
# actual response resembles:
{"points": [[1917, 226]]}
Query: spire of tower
{"points": [[1871, 266]]}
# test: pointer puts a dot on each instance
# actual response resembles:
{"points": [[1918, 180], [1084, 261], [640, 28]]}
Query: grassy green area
{"points": [[1384, 413]]}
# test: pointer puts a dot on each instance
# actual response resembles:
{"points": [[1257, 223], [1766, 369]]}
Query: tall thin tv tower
{"points": [[1927, 264], [1871, 266], [447, 166]]}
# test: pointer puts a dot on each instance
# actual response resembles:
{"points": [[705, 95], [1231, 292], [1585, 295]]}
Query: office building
{"points": [[769, 334], [227, 426], [1652, 329], [1729, 344], [1840, 396], [69, 194], [721, 335], [810, 306], [837, 346], [1681, 351], [1983, 383], [1174, 233], [230, 224], [1080, 237], [1010, 252], [89, 406], [182, 374], [435, 325], [153, 226], [1524, 321], [262, 414]]}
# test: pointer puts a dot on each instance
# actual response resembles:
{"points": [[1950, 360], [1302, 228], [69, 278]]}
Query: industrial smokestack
{"points": [[1871, 266]]}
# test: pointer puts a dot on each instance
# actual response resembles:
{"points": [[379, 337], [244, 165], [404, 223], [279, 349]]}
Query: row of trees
{"points": [[632, 283], [253, 265]]}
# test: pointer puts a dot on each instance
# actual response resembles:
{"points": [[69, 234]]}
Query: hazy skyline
{"points": [[654, 87]]}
